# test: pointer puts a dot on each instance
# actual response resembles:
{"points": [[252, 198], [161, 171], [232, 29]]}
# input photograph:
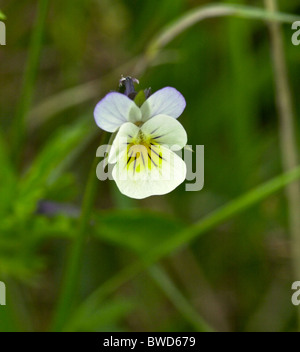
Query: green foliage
{"points": [[21, 227], [48, 201], [138, 230], [107, 318]]}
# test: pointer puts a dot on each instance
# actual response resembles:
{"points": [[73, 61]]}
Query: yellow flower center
{"points": [[143, 152]]}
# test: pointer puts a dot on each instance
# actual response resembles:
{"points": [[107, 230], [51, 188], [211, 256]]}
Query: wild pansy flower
{"points": [[148, 133]]}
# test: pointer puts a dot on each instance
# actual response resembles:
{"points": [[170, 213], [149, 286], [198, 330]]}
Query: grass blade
{"points": [[288, 142], [72, 272], [226, 212], [172, 30], [177, 298], [27, 89]]}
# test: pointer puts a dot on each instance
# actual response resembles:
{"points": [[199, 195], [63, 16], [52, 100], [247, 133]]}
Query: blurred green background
{"points": [[236, 276]]}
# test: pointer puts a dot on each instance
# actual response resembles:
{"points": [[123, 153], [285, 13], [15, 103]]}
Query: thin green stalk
{"points": [[234, 208], [177, 298], [72, 272], [165, 283], [29, 79], [242, 130], [138, 65], [173, 29], [288, 142]]}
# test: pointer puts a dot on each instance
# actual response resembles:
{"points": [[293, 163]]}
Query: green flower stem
{"points": [[222, 214], [29, 79], [288, 142], [72, 273]]}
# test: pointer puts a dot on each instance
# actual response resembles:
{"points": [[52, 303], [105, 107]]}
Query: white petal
{"points": [[159, 176], [128, 131], [165, 130], [166, 101], [115, 109]]}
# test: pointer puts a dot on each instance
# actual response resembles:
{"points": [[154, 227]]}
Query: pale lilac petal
{"points": [[114, 110], [166, 101]]}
